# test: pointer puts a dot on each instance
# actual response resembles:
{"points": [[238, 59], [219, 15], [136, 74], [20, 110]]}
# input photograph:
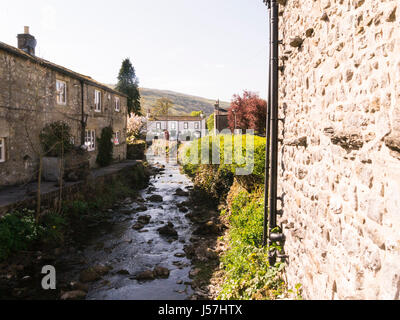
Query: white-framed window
{"points": [[196, 125], [90, 139], [97, 100], [61, 87], [2, 150], [117, 138], [117, 104], [186, 125], [173, 125], [158, 125]]}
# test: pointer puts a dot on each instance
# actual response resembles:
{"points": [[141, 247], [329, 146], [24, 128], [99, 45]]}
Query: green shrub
{"points": [[216, 179], [247, 219], [56, 139], [193, 155], [248, 273], [17, 231], [210, 123], [53, 228], [76, 208], [136, 150], [106, 147]]}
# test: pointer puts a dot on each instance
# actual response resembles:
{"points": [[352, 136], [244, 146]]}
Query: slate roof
{"points": [[86, 79], [177, 118]]}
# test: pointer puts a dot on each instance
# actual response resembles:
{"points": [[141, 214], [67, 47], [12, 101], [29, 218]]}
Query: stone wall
{"points": [[28, 102], [87, 188], [340, 157]]}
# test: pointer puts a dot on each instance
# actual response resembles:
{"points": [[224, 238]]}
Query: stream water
{"points": [[130, 252]]}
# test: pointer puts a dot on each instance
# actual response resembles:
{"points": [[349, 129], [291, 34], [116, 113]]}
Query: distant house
{"points": [[35, 92], [179, 128]]}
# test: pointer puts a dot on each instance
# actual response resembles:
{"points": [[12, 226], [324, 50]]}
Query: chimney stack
{"points": [[27, 42]]}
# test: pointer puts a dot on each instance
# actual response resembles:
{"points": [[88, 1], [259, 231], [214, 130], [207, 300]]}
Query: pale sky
{"points": [[208, 48]]}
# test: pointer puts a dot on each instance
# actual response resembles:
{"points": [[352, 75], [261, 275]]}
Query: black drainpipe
{"points": [[83, 117], [268, 142], [274, 124]]}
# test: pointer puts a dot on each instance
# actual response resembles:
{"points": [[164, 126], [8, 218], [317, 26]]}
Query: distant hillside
{"points": [[183, 104]]}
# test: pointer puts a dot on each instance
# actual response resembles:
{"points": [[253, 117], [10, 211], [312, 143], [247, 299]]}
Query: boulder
{"points": [[193, 273], [155, 198], [190, 251], [126, 211], [141, 209], [138, 226], [184, 204], [168, 230], [123, 272], [144, 219], [160, 272], [151, 190], [94, 273], [180, 192], [180, 255], [74, 295], [78, 286], [145, 275], [209, 228]]}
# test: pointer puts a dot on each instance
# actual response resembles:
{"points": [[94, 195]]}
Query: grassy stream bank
{"points": [[243, 272]]}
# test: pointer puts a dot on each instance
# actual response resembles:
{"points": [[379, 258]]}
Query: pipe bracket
{"points": [[277, 237]]}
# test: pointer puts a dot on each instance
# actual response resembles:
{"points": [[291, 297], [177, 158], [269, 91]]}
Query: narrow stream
{"points": [[130, 252]]}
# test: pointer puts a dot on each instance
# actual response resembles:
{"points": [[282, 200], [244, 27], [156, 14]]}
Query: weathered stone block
{"points": [[393, 142]]}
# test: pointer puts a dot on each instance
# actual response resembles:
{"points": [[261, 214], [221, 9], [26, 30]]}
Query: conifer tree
{"points": [[128, 84]]}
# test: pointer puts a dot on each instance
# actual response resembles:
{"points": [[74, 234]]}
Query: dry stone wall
{"points": [[340, 157]]}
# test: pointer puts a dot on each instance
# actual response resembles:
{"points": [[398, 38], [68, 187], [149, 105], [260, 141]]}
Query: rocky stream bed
{"points": [[161, 245]]}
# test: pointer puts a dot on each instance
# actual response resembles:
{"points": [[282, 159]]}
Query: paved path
{"points": [[13, 195]]}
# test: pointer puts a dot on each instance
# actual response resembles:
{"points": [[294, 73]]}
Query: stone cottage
{"points": [[339, 94], [181, 128], [35, 92]]}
